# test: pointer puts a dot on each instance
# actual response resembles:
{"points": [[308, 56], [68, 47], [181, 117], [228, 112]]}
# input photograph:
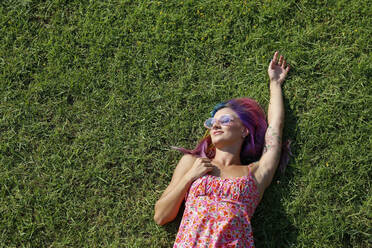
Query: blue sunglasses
{"points": [[224, 120]]}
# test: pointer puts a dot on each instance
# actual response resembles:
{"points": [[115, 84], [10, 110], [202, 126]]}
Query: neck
{"points": [[227, 156]]}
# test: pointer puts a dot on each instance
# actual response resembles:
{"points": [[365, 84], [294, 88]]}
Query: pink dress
{"points": [[218, 212]]}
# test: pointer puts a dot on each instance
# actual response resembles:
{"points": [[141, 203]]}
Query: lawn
{"points": [[94, 94]]}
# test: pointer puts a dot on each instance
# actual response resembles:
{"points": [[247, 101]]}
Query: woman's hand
{"points": [[200, 167], [277, 69]]}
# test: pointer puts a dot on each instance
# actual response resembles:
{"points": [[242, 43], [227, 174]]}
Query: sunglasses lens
{"points": [[209, 123], [225, 119]]}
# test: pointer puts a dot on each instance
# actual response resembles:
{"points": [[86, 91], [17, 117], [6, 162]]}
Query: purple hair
{"points": [[254, 119]]}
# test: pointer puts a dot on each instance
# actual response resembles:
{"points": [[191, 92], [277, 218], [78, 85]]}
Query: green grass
{"points": [[94, 93]]}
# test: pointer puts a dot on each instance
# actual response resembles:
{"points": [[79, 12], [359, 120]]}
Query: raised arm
{"points": [[273, 138]]}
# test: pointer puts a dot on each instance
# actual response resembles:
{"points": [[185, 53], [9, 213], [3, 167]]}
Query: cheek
{"points": [[233, 131]]}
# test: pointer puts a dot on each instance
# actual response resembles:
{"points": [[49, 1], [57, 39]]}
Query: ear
{"points": [[245, 132]]}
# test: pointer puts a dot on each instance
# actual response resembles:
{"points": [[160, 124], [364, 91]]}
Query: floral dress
{"points": [[218, 212]]}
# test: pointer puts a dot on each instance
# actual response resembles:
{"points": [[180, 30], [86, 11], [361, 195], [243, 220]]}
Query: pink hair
{"points": [[254, 119]]}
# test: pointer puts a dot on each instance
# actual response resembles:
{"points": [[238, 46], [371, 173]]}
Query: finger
{"points": [[288, 67], [275, 58], [281, 60], [284, 64], [209, 164], [204, 162], [271, 65]]}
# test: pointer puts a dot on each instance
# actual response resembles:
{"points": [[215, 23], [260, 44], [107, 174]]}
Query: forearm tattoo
{"points": [[272, 139]]}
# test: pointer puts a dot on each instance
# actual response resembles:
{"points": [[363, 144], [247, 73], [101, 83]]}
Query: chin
{"points": [[220, 142]]}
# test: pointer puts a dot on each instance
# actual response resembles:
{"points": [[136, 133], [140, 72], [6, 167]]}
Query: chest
{"points": [[233, 171]]}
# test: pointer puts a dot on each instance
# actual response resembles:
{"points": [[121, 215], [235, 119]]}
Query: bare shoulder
{"points": [[254, 168], [187, 161], [188, 158], [183, 166]]}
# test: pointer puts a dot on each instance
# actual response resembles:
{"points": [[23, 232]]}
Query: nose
{"points": [[216, 125]]}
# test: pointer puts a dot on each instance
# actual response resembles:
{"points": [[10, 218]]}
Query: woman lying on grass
{"points": [[221, 190]]}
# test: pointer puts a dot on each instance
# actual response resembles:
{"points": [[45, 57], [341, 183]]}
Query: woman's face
{"points": [[223, 135]]}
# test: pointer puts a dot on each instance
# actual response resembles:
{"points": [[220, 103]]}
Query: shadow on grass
{"points": [[172, 227], [271, 227]]}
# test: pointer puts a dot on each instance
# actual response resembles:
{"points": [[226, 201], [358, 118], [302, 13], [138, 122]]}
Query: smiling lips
{"points": [[217, 132]]}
